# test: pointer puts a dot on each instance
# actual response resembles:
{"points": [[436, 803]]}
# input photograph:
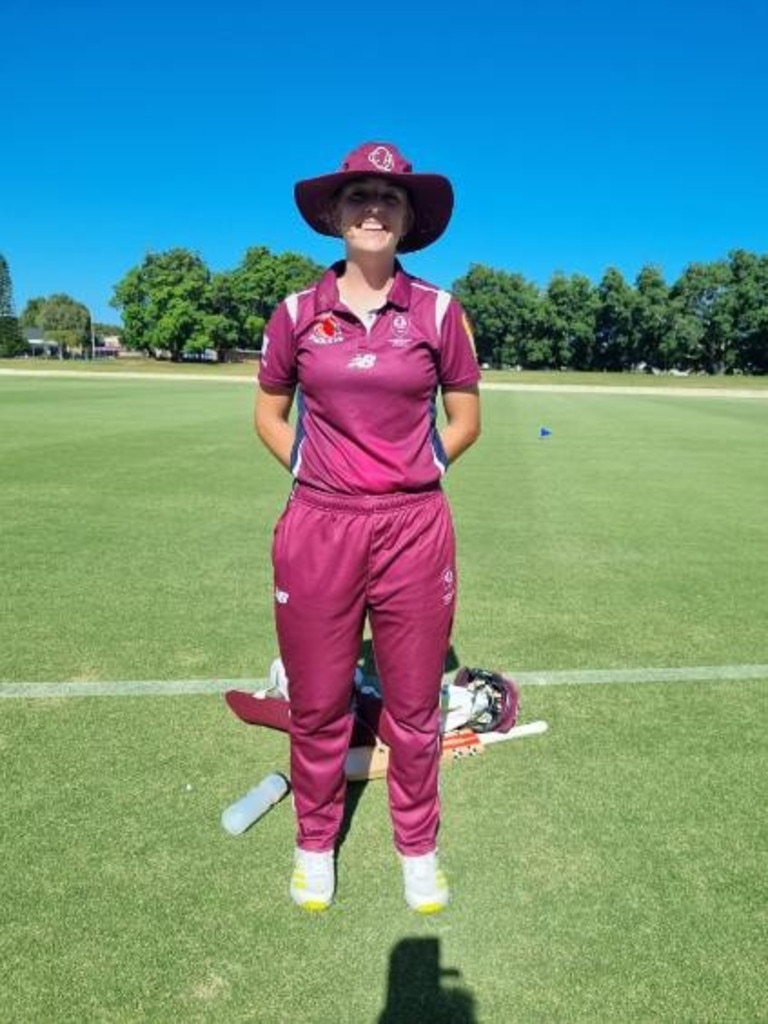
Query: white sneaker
{"points": [[313, 880], [426, 889]]}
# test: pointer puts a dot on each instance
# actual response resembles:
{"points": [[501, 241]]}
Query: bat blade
{"points": [[364, 763]]}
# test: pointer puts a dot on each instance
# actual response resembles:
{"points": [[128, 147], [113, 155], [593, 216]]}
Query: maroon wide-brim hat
{"points": [[430, 195]]}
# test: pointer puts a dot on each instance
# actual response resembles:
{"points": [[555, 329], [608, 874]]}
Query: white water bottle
{"points": [[256, 802]]}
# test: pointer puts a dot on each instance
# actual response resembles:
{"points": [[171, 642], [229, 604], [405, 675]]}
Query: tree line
{"points": [[712, 319], [172, 303], [59, 317]]}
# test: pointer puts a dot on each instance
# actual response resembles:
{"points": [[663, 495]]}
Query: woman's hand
{"points": [[462, 411], [271, 420]]}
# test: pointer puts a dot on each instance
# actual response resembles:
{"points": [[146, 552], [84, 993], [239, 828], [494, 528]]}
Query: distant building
{"points": [[38, 345], [109, 345]]}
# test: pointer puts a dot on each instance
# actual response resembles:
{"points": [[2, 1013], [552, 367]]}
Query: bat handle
{"points": [[516, 732]]}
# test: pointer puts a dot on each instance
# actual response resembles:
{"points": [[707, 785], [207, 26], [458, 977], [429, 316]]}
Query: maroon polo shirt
{"points": [[366, 420]]}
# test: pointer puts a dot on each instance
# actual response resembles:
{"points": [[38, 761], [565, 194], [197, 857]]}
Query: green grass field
{"points": [[613, 870]]}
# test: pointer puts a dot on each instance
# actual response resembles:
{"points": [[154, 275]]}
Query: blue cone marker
{"points": [[544, 432]]}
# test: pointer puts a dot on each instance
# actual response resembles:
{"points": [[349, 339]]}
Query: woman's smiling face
{"points": [[373, 214]]}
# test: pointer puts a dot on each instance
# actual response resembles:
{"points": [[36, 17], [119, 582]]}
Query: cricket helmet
{"points": [[495, 699]]}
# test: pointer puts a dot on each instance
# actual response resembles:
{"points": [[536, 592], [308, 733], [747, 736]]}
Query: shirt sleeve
{"points": [[458, 359], [277, 367]]}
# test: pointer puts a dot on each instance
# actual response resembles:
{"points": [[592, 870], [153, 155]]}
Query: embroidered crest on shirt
{"points": [[327, 332], [382, 158], [401, 327]]}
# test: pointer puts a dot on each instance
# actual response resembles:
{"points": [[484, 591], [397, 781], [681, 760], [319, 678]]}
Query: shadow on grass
{"points": [[417, 992], [352, 799]]}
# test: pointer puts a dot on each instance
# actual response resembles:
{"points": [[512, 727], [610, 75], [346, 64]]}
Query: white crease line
{"points": [[628, 389], [181, 687], [129, 375], [132, 688], [703, 673]]}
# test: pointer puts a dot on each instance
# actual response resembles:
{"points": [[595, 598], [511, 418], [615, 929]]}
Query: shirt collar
{"points": [[327, 291]]}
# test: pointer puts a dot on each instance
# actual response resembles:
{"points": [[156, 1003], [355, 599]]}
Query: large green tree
{"points": [[652, 336], [702, 317], [11, 338], [748, 312], [505, 311], [61, 318], [173, 303], [614, 349], [32, 312], [260, 282], [163, 303], [569, 311]]}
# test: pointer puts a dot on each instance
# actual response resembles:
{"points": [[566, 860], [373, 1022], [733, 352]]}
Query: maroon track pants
{"points": [[338, 559]]}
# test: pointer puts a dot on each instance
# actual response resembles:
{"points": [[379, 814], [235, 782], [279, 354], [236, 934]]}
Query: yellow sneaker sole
{"points": [[430, 908], [314, 906]]}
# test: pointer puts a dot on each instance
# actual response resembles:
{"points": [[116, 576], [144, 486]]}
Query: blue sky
{"points": [[577, 135]]}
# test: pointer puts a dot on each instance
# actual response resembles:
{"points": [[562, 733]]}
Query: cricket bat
{"points": [[365, 763], [368, 757]]}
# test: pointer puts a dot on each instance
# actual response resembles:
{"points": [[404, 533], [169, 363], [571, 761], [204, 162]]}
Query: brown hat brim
{"points": [[430, 195]]}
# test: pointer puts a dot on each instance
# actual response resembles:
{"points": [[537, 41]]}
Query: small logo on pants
{"points": [[281, 596]]}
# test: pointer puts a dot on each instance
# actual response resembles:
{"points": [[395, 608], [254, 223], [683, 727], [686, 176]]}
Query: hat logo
{"points": [[382, 159]]}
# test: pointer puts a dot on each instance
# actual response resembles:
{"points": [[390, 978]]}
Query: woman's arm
{"points": [[270, 418], [462, 411]]}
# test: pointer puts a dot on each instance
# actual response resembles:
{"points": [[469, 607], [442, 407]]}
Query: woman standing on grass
{"points": [[367, 532]]}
